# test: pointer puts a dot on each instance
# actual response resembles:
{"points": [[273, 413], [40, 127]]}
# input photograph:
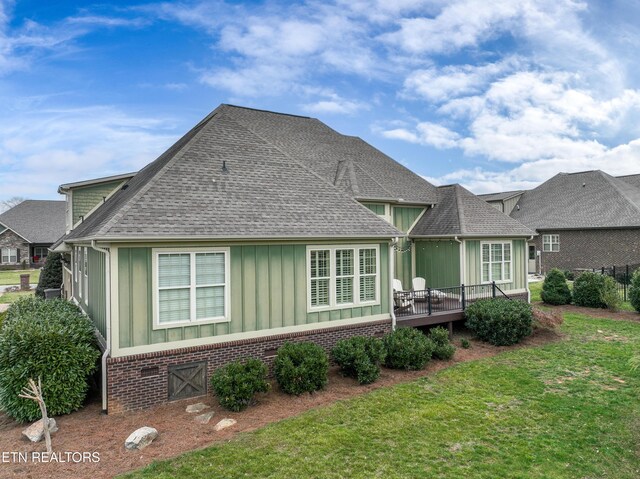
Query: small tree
{"points": [[51, 274], [634, 290], [34, 392], [555, 289]]}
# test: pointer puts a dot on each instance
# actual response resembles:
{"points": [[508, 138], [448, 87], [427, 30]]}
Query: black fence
{"points": [[440, 300], [621, 274]]}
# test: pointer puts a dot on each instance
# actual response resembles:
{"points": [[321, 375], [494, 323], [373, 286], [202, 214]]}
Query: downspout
{"points": [[390, 286], [463, 259], [107, 349], [526, 281]]}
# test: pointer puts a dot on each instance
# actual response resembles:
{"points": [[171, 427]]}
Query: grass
{"points": [[6, 298], [564, 410], [12, 277]]}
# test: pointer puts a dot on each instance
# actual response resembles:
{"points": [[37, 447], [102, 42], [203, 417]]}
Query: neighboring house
{"points": [[256, 228], [505, 201], [584, 220], [27, 231]]}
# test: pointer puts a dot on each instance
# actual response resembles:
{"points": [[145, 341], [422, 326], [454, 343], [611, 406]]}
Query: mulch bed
{"points": [[596, 313], [90, 431]]}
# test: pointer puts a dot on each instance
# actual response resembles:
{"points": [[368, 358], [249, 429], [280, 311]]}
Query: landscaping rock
{"points": [[141, 438], [225, 423], [199, 407], [35, 432], [204, 418]]}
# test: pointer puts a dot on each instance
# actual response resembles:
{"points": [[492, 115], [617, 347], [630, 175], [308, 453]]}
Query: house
{"points": [[584, 220], [27, 231], [257, 228], [505, 201]]}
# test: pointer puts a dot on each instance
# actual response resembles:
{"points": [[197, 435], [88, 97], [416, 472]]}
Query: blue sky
{"points": [[493, 95]]}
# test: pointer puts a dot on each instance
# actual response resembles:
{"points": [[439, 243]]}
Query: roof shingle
{"points": [[37, 221]]}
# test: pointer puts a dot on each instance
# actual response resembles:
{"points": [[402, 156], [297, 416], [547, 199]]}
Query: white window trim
{"points": [[502, 281], [550, 242], [85, 279], [9, 255], [333, 305], [155, 252]]}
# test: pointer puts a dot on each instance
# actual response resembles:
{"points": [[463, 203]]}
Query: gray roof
{"points": [[95, 181], [461, 213], [37, 221], [504, 195], [589, 199], [266, 193], [345, 161], [633, 180]]}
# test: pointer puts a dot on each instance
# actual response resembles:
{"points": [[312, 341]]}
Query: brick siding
{"points": [[128, 389], [586, 249]]}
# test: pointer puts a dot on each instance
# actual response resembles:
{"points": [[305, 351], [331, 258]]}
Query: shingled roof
{"points": [[589, 199], [37, 221], [633, 180], [459, 212], [504, 195], [347, 162], [226, 180]]}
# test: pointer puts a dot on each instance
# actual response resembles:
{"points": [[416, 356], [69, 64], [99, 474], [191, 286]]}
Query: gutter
{"points": [[526, 280], [391, 276], [107, 349]]}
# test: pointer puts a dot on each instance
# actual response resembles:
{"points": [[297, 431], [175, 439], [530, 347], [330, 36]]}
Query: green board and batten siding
{"points": [[378, 208], [403, 219], [268, 290], [86, 198], [518, 259], [438, 261], [96, 304]]}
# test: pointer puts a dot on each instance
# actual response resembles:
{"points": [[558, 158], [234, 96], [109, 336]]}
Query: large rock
{"points": [[204, 418], [199, 407], [141, 438], [225, 423], [35, 432]]}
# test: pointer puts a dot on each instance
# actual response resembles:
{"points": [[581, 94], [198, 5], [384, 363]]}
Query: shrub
{"points": [[589, 290], [569, 275], [359, 357], [610, 295], [464, 342], [546, 319], [51, 274], [237, 383], [634, 291], [407, 348], [3, 315], [301, 368], [440, 337], [51, 340], [555, 289], [501, 322]]}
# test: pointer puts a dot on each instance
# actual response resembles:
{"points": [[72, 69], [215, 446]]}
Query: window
{"points": [[9, 255], [85, 269], [40, 253], [496, 262], [343, 276], [191, 286], [550, 243]]}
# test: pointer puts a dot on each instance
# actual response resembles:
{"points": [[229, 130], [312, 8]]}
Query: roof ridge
{"points": [[364, 172], [615, 183], [268, 111], [145, 187], [459, 208]]}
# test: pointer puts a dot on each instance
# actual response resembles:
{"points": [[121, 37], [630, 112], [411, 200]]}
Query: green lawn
{"points": [[12, 277], [536, 289], [11, 297], [569, 409]]}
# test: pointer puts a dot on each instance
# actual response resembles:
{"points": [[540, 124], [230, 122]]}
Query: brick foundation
{"points": [[141, 381]]}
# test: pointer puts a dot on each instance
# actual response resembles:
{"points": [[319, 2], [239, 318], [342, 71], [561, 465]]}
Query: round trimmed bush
{"points": [[555, 289], [237, 383], [359, 357], [407, 348], [634, 290], [50, 340], [301, 368], [501, 322], [443, 347], [588, 289], [51, 274]]}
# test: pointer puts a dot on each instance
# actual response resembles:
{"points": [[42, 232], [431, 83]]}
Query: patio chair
{"points": [[420, 291], [402, 300]]}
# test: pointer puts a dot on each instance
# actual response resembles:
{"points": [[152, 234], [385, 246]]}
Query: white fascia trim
{"points": [[245, 238], [96, 181], [15, 232], [263, 333]]}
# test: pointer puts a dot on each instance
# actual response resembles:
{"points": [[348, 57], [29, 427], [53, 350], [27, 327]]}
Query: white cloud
{"points": [[334, 104]]}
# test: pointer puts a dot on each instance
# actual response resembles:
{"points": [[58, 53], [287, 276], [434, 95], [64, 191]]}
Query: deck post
{"points": [[450, 325], [429, 301], [462, 296], [493, 289]]}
